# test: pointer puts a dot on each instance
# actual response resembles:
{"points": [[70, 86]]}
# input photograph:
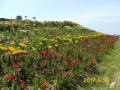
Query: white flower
{"points": [[112, 84]]}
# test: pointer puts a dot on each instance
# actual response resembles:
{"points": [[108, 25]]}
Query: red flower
{"points": [[92, 59], [17, 68], [63, 79], [12, 59], [44, 61], [41, 53], [46, 51], [25, 85], [65, 50], [43, 85], [58, 75], [17, 54], [7, 77], [19, 82], [13, 77], [63, 62], [70, 52], [77, 61], [24, 53], [45, 54], [69, 58], [94, 63], [57, 56], [53, 48], [89, 70], [53, 53], [71, 65], [97, 53], [34, 66], [59, 71], [18, 61], [11, 64]]}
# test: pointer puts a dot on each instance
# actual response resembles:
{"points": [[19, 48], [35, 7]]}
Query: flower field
{"points": [[49, 55]]}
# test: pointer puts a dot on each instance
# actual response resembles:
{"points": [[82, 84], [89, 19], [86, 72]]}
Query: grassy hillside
{"points": [[109, 69], [49, 55]]}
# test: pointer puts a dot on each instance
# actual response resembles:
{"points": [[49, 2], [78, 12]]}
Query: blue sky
{"points": [[99, 15]]}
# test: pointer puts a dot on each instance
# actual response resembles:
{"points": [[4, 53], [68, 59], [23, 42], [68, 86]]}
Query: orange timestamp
{"points": [[96, 80]]}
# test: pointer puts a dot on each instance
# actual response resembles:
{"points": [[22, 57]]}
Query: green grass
{"points": [[110, 68]]}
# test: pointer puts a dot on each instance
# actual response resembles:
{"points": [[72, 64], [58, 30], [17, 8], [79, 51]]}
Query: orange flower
{"points": [[67, 73], [8, 77]]}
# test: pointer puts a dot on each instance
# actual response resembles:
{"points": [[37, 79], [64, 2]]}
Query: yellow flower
{"points": [[53, 40], [3, 48], [22, 45], [1, 44], [12, 42], [33, 48], [17, 47], [26, 41], [56, 45], [49, 46], [76, 41], [13, 22], [12, 48], [8, 53], [19, 51], [40, 43]]}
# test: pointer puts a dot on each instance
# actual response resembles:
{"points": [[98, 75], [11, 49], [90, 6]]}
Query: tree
{"points": [[34, 18], [18, 17], [2, 19], [25, 16]]}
